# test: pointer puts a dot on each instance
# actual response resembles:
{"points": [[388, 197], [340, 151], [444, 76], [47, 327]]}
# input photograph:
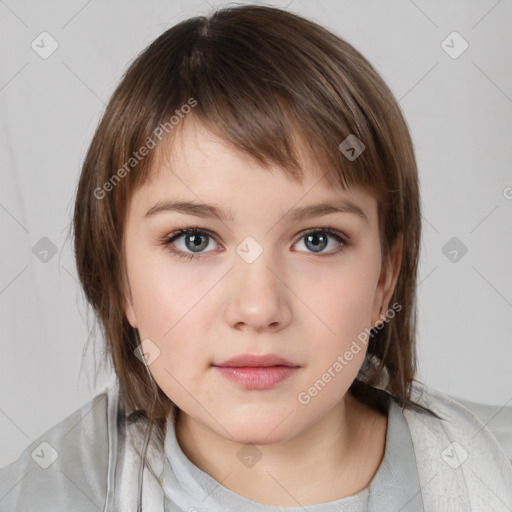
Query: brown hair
{"points": [[261, 78]]}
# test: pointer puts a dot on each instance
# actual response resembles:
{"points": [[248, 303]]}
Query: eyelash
{"points": [[167, 241]]}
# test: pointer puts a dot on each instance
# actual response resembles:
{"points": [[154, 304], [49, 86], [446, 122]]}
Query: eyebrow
{"points": [[297, 214]]}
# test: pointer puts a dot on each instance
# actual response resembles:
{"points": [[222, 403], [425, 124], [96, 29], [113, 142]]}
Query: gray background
{"points": [[459, 112]]}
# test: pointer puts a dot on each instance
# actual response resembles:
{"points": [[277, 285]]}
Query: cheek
{"points": [[172, 310], [166, 294], [338, 319], [174, 303], [339, 296]]}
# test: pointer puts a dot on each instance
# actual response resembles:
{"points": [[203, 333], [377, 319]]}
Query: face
{"points": [[262, 281]]}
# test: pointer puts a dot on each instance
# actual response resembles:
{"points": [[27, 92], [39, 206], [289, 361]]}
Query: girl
{"points": [[247, 229]]}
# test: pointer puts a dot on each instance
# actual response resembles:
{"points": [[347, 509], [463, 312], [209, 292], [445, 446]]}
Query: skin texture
{"points": [[290, 301]]}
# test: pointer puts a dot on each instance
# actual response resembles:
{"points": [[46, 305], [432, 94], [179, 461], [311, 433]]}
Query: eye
{"points": [[316, 240], [192, 239]]}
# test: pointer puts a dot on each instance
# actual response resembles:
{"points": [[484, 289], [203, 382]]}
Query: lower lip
{"points": [[259, 377]]}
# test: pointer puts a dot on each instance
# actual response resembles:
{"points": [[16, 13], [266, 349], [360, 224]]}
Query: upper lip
{"points": [[255, 361]]}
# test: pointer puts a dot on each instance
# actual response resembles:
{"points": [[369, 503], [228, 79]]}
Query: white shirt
{"points": [[88, 462]]}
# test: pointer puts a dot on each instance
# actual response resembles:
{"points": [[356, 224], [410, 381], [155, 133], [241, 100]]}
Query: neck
{"points": [[345, 446]]}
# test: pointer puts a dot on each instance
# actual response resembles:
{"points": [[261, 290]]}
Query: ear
{"points": [[128, 302], [387, 281], [130, 312]]}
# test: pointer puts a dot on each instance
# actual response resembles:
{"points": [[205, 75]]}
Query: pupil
{"points": [[315, 238], [196, 241]]}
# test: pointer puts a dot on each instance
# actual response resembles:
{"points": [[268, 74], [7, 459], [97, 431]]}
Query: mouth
{"points": [[252, 371]]}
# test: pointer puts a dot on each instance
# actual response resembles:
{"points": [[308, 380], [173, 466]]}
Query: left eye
{"points": [[317, 240], [196, 240]]}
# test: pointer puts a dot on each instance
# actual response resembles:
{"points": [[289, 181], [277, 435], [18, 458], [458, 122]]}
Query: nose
{"points": [[257, 295]]}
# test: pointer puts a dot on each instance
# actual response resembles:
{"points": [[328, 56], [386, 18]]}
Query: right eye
{"points": [[191, 239]]}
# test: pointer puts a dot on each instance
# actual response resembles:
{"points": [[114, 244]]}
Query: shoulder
{"points": [[457, 456], [66, 468], [462, 414], [457, 420]]}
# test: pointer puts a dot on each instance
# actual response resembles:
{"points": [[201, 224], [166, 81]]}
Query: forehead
{"points": [[196, 165], [194, 148]]}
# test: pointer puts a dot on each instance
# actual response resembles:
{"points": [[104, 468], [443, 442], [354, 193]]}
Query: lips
{"points": [[252, 371]]}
